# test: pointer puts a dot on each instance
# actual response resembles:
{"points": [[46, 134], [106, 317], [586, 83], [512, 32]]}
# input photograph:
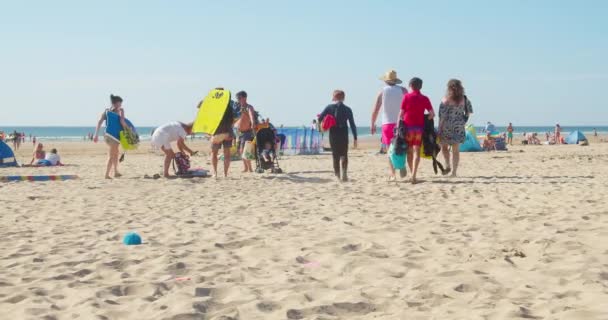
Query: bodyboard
{"points": [[115, 131], [211, 111]]}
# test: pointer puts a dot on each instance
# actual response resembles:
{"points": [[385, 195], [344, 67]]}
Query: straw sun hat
{"points": [[391, 77]]}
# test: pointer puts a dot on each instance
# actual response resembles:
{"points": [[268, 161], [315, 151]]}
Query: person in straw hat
{"points": [[389, 102]]}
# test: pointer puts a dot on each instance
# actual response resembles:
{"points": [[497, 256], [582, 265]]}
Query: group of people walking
{"points": [[399, 107]]}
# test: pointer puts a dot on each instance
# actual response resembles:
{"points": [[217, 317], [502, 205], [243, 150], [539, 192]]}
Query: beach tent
{"points": [[7, 157], [575, 137], [471, 144]]}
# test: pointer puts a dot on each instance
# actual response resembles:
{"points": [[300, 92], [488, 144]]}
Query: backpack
{"points": [[182, 162], [330, 120]]}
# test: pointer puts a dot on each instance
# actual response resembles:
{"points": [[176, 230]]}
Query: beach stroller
{"points": [[263, 137]]}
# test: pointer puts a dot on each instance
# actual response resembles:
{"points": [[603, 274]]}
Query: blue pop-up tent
{"points": [[575, 137], [471, 144], [7, 157]]}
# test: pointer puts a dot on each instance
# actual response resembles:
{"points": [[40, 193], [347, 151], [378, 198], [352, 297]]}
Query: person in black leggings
{"points": [[338, 134]]}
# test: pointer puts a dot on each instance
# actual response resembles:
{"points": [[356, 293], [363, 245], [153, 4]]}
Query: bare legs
{"points": [[445, 149], [247, 165], [112, 161], [214, 160], [455, 157], [391, 170], [226, 162], [413, 161], [169, 155]]}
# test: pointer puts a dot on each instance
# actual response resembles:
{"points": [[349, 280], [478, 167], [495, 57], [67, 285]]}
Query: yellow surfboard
{"points": [[211, 111]]}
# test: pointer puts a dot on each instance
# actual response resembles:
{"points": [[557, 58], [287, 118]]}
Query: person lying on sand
{"points": [[53, 158], [166, 134]]}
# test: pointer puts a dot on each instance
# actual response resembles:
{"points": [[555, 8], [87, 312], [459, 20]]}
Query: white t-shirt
{"points": [[53, 158], [392, 97], [167, 133]]}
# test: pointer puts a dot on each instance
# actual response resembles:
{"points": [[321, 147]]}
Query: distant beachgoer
{"points": [[338, 134], [16, 140], [490, 127], [510, 131], [558, 134], [53, 158], [38, 154], [34, 140], [112, 144], [595, 132], [388, 100], [412, 112], [222, 138], [245, 125], [454, 110], [166, 134]]}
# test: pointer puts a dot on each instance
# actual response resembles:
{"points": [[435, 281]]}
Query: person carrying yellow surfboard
{"points": [[245, 125]]}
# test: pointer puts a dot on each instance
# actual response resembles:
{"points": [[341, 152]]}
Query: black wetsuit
{"points": [[338, 135]]}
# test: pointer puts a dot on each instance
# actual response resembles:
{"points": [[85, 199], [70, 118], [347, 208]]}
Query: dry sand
{"points": [[522, 234]]}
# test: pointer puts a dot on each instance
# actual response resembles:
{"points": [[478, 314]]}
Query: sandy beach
{"points": [[521, 234]]}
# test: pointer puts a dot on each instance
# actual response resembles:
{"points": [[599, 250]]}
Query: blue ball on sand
{"points": [[131, 239]]}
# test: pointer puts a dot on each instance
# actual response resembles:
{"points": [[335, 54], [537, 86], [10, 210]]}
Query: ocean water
{"points": [[79, 133], [65, 133]]}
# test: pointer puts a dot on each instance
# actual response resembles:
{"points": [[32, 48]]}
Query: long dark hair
{"points": [[455, 91]]}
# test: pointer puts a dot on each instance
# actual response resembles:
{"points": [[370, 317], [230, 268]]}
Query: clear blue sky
{"points": [[529, 62]]}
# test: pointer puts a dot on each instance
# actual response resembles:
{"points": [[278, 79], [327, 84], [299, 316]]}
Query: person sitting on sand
{"points": [[166, 134], [39, 154], [489, 144], [533, 139], [53, 158]]}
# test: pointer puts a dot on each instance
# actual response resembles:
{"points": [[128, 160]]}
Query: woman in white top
{"points": [[164, 135], [53, 158]]}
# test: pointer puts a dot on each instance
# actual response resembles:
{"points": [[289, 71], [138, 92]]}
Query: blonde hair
{"points": [[339, 95]]}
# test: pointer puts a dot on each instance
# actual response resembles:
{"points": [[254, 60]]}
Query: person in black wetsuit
{"points": [[338, 134]]}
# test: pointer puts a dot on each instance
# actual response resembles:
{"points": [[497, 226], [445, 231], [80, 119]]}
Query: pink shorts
{"points": [[388, 132]]}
